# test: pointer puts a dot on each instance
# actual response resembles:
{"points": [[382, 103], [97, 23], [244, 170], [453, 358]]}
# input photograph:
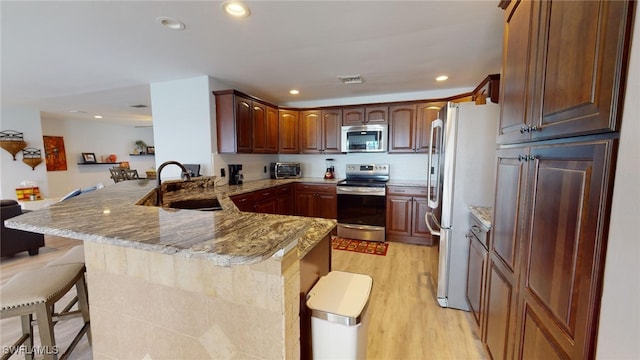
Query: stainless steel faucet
{"points": [[185, 174]]}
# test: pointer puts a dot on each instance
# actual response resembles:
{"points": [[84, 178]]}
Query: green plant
{"points": [[141, 145]]}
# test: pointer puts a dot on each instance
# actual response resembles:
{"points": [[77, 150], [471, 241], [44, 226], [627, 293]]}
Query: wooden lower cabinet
{"points": [[476, 274], [285, 200], [316, 200], [547, 250], [406, 207]]}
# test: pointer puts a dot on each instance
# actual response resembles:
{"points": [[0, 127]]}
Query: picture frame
{"points": [[89, 158], [151, 149]]}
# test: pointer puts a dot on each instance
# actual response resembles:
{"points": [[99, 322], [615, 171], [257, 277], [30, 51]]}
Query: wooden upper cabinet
{"points": [[564, 65], [288, 132], [310, 132], [331, 126], [265, 128], [272, 131], [582, 66], [259, 126], [514, 79], [402, 128], [234, 123], [377, 114], [426, 114], [320, 131], [353, 116], [357, 115]]}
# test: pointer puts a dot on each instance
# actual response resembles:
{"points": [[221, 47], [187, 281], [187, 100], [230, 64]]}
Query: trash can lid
{"points": [[340, 297]]}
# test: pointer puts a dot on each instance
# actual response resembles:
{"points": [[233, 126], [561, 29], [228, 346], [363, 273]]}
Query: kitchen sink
{"points": [[196, 204]]}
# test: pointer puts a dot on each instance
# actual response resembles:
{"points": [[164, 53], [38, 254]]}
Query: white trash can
{"points": [[338, 304]]}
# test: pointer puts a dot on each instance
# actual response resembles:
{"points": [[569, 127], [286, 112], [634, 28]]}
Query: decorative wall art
{"points": [[56, 157], [32, 157], [89, 158], [12, 141]]}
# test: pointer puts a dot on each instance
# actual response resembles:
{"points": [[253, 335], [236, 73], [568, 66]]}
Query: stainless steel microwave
{"points": [[285, 170], [364, 138]]}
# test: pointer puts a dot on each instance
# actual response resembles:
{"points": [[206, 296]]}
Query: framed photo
{"points": [[89, 157], [151, 149]]}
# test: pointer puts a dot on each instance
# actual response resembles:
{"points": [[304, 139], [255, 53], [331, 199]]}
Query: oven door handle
{"points": [[428, 215], [360, 190]]}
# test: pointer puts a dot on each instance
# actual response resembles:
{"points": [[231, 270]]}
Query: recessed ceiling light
{"points": [[170, 23], [442, 78], [294, 92], [236, 8], [97, 116]]}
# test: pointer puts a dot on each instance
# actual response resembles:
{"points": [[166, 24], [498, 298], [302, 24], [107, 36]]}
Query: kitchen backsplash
{"points": [[402, 166]]}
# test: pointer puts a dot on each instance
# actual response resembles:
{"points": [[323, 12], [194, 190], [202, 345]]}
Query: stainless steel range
{"points": [[362, 202]]}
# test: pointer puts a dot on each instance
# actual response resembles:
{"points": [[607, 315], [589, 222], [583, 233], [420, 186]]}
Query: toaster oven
{"points": [[285, 170]]}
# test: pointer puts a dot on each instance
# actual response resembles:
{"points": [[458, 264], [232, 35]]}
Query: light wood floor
{"points": [[405, 321]]}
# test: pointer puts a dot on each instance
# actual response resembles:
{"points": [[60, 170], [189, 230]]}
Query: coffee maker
{"points": [[329, 174], [235, 174]]}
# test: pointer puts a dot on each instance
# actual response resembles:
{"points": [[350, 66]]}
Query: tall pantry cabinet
{"points": [[563, 79]]}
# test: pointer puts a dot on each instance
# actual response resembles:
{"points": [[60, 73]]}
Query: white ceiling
{"points": [[101, 56]]}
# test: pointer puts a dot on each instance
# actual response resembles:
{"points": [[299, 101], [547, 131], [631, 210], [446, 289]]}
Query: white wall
{"points": [[619, 329], [182, 122], [26, 121], [100, 138]]}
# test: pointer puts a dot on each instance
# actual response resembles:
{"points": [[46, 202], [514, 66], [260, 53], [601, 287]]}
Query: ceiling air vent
{"points": [[351, 79], [139, 106]]}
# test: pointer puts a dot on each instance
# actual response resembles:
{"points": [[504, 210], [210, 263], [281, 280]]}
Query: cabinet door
{"points": [[331, 125], [377, 114], [288, 134], [500, 312], [509, 205], [353, 116], [267, 206], [399, 215], [244, 124], [325, 206], [426, 113], [476, 269], [402, 128], [259, 114], [564, 249], [244, 202], [514, 79], [418, 225], [284, 200], [271, 133], [304, 202], [509, 215], [580, 65], [310, 132]]}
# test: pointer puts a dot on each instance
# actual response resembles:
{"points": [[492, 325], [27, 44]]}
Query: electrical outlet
{"points": [[265, 169], [222, 174]]}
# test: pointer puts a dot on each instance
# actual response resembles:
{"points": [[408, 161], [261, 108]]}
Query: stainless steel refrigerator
{"points": [[462, 163]]}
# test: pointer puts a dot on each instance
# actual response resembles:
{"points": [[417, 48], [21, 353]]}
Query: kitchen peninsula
{"points": [[168, 283]]}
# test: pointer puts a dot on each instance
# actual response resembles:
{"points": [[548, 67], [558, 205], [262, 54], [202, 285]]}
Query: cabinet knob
{"points": [[523, 129]]}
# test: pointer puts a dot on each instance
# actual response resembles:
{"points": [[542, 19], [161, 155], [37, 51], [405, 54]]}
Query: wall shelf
{"points": [[100, 163], [142, 154]]}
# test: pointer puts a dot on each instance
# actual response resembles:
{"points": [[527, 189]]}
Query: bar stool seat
{"points": [[35, 292], [74, 256]]}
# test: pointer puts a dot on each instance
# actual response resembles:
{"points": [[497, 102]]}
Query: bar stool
{"points": [[35, 292]]}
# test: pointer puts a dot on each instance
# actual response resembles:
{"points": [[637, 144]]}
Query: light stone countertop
{"points": [[483, 214], [413, 183], [227, 237]]}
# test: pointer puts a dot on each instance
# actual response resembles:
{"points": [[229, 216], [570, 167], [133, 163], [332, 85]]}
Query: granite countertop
{"points": [[416, 183], [227, 237], [483, 214]]}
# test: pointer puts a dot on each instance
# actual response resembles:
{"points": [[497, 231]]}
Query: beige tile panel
{"points": [[184, 312], [94, 255], [138, 263], [239, 323], [249, 287], [161, 269], [166, 344], [272, 327]]}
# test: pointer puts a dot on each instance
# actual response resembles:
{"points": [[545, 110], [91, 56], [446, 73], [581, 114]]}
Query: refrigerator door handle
{"points": [[433, 197], [428, 215]]}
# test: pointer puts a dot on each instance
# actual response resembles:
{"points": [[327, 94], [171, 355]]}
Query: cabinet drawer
{"points": [[479, 232], [317, 188], [407, 190], [264, 194]]}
